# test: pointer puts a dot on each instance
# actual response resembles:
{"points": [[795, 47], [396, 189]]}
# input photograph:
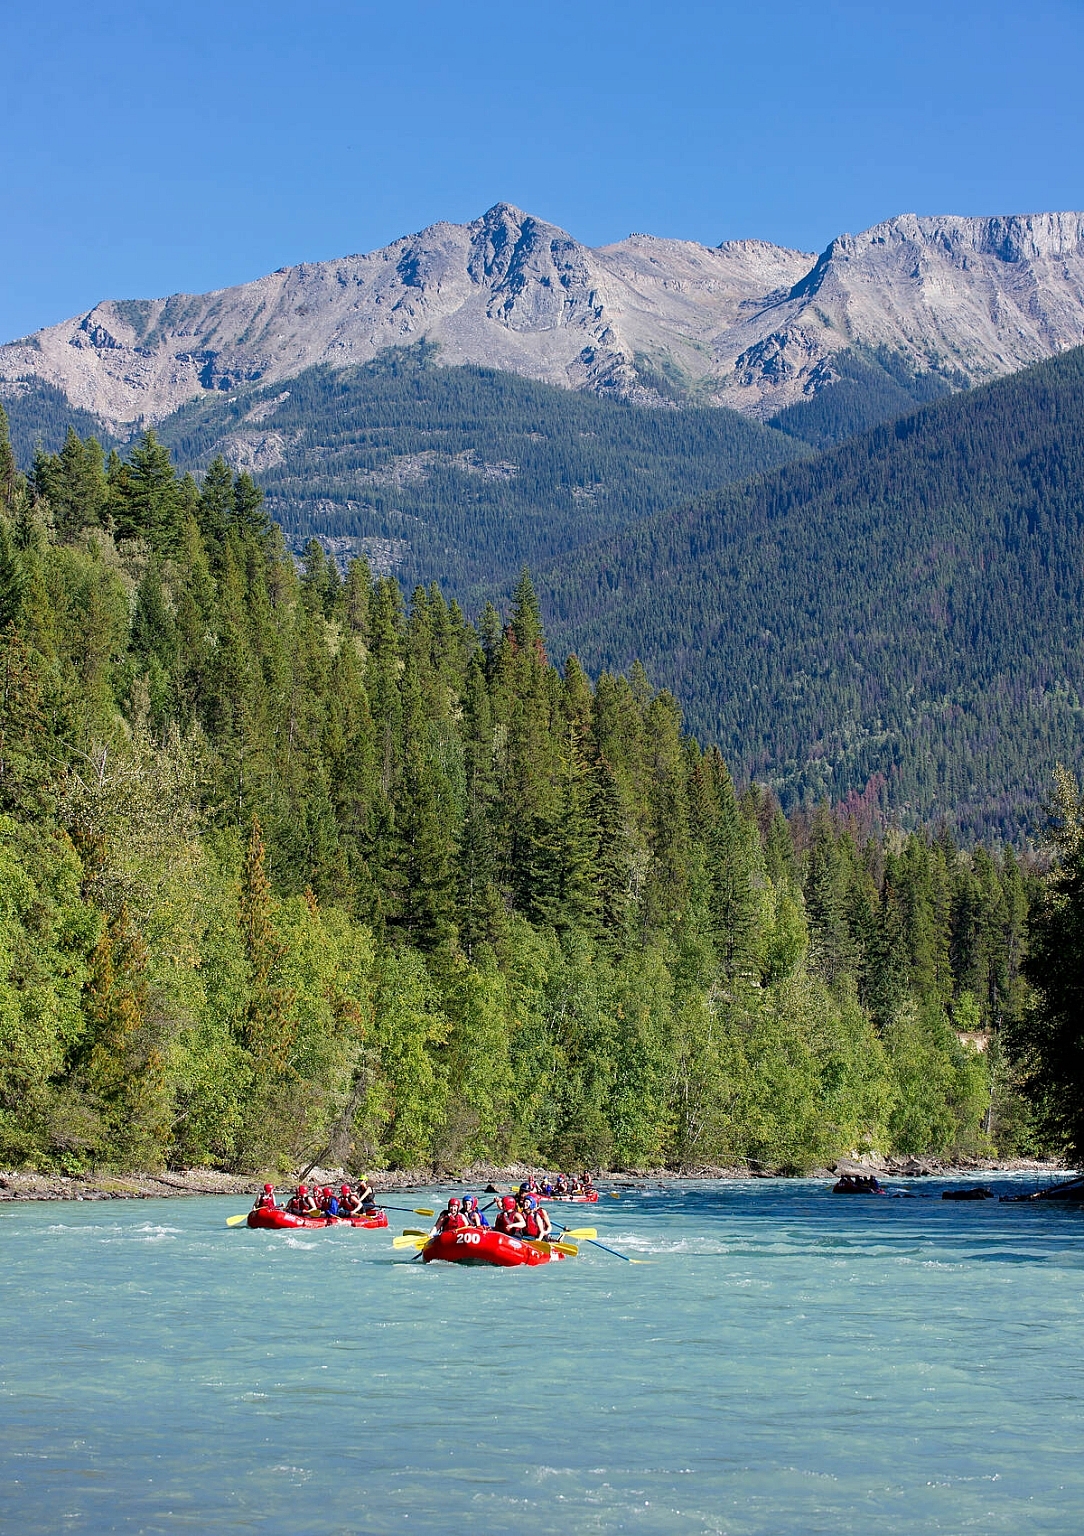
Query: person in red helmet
{"points": [[451, 1219], [510, 1218], [536, 1224], [265, 1200]]}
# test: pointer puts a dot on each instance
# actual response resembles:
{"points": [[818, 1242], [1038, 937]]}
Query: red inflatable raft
{"points": [[472, 1245], [570, 1199], [282, 1221]]}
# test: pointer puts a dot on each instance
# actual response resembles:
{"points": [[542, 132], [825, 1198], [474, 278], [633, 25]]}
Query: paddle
{"points": [[235, 1221], [408, 1240], [542, 1245], [409, 1210], [587, 1235]]}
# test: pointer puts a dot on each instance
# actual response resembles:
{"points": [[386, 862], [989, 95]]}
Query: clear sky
{"points": [[155, 147]]}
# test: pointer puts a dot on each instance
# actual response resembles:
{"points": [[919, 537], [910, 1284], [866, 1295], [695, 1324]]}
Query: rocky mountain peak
{"points": [[745, 323]]}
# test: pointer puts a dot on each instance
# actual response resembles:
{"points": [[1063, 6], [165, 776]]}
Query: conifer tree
{"points": [[425, 832], [214, 509], [247, 514], [826, 898], [145, 496], [8, 471], [733, 850], [10, 580], [73, 483]]}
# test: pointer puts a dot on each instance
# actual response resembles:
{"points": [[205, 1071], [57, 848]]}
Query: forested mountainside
{"points": [[39, 416], [908, 604], [288, 863], [869, 386], [462, 475], [458, 475]]}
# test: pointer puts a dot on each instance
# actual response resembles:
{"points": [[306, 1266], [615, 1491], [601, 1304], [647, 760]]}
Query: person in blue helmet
{"points": [[473, 1212], [536, 1224]]}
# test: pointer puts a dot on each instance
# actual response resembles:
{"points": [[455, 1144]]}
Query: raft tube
{"points": [[284, 1221], [568, 1199], [472, 1245]]}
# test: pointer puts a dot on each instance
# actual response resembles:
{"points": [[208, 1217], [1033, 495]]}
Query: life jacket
{"points": [[451, 1221], [332, 1207], [509, 1222], [531, 1227]]}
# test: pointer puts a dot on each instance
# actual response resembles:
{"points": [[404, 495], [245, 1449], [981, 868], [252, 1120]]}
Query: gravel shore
{"points": [[209, 1181]]}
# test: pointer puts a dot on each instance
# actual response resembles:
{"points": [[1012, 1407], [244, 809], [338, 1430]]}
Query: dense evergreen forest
{"points": [[463, 475], [40, 416], [291, 863], [868, 386], [906, 604]]}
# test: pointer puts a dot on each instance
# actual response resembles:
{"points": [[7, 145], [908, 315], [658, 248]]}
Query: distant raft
{"points": [[276, 1220], [857, 1184]]}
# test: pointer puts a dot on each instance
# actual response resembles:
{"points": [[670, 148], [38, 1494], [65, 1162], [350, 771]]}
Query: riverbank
{"points": [[17, 1185]]}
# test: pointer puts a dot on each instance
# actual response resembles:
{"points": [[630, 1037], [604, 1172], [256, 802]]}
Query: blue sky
{"points": [[152, 148]]}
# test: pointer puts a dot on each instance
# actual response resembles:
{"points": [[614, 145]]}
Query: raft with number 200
{"points": [[481, 1245]]}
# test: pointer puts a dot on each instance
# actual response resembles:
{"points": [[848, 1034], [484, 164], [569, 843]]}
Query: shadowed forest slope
{"points": [[907, 604]]}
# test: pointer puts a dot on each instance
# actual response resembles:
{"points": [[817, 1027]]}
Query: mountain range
{"points": [[950, 301]]}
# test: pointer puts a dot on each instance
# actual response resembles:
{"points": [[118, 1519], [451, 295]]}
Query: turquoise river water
{"points": [[789, 1361]]}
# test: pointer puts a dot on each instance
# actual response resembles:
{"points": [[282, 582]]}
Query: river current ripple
{"points": [[790, 1361]]}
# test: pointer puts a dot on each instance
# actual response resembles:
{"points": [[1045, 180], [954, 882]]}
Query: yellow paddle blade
{"points": [[419, 1212], [414, 1232], [235, 1221], [581, 1232], [568, 1249], [541, 1246], [613, 1194], [409, 1241]]}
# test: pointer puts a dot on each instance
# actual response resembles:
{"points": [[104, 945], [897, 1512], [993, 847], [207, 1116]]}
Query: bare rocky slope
{"points": [[745, 324]]}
